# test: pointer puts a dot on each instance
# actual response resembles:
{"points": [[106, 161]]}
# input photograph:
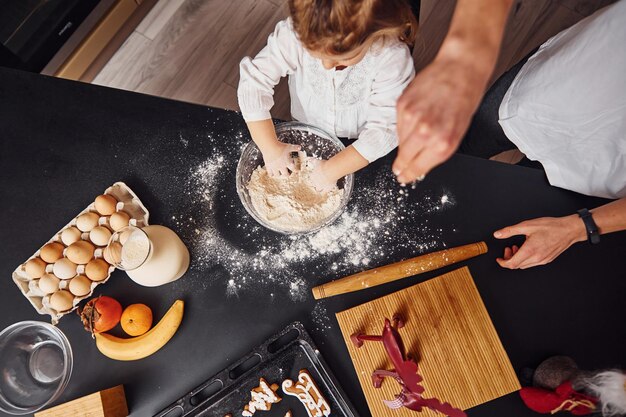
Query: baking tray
{"points": [[280, 357]]}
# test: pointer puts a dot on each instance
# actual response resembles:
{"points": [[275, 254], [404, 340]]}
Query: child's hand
{"points": [[278, 159], [320, 179], [325, 174]]}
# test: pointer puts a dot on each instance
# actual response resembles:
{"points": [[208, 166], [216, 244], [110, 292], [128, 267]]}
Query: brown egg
{"points": [[61, 300], [80, 286], [119, 220], [64, 268], [113, 253], [97, 270], [35, 268], [49, 283], [100, 236], [70, 235], [87, 221], [51, 252], [123, 237], [105, 204], [80, 252]]}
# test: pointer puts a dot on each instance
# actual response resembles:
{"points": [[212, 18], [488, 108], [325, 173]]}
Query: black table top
{"points": [[63, 143]]}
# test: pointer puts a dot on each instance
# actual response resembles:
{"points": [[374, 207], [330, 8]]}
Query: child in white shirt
{"points": [[348, 62]]}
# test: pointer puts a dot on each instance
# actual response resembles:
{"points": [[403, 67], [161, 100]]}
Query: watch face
{"points": [[594, 237]]}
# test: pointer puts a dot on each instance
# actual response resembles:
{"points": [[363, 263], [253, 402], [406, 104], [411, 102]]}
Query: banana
{"points": [[130, 349]]}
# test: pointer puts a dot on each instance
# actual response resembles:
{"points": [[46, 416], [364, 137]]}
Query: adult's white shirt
{"points": [[358, 102], [567, 106]]}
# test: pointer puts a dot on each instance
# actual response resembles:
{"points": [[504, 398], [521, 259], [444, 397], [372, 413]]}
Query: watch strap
{"points": [[593, 234]]}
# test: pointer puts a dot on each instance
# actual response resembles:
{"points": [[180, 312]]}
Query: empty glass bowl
{"points": [[315, 142], [35, 366]]}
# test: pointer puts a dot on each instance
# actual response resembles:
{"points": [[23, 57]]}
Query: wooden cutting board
{"points": [[448, 330]]}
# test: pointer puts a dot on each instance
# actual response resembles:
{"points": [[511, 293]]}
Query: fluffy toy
{"points": [[610, 388], [559, 385]]}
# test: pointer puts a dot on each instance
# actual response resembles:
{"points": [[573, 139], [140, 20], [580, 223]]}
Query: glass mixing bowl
{"points": [[35, 366], [315, 142]]}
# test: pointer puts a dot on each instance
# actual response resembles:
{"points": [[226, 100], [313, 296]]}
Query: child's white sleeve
{"points": [[259, 76], [395, 72]]}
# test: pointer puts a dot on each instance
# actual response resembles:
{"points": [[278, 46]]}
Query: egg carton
{"points": [[129, 203]]}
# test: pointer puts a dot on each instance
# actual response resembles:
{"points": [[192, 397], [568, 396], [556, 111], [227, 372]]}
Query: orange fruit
{"points": [[136, 319]]}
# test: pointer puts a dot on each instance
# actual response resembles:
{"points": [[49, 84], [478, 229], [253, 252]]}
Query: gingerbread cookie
{"points": [[308, 393], [263, 397]]}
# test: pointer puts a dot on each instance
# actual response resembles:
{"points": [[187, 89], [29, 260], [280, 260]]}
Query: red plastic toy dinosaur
{"points": [[405, 372]]}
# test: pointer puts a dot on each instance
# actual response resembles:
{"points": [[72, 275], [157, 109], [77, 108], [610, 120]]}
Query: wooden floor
{"points": [[190, 49]]}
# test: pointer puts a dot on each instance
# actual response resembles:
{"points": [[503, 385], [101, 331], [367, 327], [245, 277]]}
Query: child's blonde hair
{"points": [[336, 27]]}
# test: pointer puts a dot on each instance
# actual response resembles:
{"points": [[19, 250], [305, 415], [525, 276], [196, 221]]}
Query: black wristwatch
{"points": [[593, 234]]}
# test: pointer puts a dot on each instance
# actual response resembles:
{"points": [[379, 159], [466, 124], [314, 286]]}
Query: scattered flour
{"points": [[291, 203], [320, 317], [183, 141], [298, 289], [233, 255], [383, 223]]}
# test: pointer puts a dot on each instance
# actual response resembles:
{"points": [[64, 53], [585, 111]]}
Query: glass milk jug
{"points": [[151, 256]]}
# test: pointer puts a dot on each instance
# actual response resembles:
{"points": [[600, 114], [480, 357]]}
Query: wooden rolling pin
{"points": [[399, 270]]}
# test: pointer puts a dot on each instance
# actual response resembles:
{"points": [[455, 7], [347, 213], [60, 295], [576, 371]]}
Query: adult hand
{"points": [[434, 113], [278, 159], [546, 239]]}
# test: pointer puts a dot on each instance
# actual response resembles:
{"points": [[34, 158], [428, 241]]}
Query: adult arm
{"points": [[436, 109], [548, 237]]}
